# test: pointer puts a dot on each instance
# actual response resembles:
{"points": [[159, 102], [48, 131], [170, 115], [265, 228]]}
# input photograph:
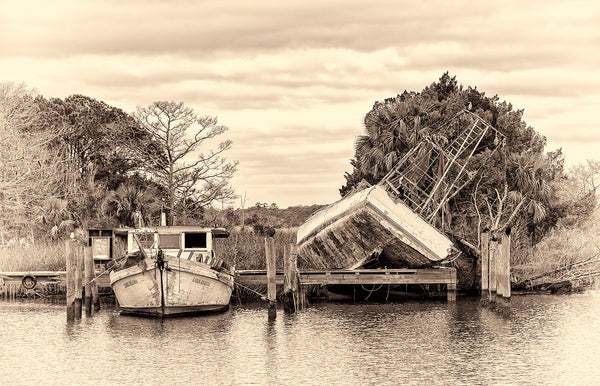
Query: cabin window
{"points": [[146, 240], [101, 248], [169, 241], [195, 240]]}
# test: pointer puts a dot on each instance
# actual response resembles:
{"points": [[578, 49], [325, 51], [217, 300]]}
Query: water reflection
{"points": [[538, 340]]}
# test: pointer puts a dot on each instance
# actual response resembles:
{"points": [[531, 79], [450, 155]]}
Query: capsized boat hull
{"points": [[188, 287], [346, 233]]}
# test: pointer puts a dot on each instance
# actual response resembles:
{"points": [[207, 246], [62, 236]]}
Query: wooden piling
{"points": [[79, 282], [493, 248], [500, 271], [288, 296], [299, 295], [70, 257], [88, 268], [451, 289], [95, 297], [485, 264], [292, 293], [506, 265], [271, 272], [73, 280]]}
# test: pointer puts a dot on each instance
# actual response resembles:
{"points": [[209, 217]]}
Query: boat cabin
{"points": [[101, 242], [186, 242]]}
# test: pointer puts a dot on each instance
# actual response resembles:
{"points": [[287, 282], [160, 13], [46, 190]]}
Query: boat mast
{"points": [[160, 264]]}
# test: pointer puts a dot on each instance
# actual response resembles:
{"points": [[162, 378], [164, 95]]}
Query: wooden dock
{"points": [[81, 265], [445, 276], [45, 277]]}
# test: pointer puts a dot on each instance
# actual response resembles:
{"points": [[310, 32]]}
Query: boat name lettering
{"points": [[130, 283], [200, 281]]}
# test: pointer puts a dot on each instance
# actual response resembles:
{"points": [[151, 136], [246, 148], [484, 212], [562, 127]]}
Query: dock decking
{"points": [[445, 276]]}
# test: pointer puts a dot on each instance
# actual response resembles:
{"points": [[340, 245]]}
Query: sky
{"points": [[293, 80]]}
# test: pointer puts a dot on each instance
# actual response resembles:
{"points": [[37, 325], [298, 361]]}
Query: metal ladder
{"points": [[429, 175]]}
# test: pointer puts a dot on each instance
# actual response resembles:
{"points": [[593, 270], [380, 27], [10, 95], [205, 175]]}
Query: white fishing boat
{"points": [[369, 224], [171, 270]]}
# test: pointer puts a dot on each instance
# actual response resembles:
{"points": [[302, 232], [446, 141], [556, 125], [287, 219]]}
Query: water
{"points": [[542, 339]]}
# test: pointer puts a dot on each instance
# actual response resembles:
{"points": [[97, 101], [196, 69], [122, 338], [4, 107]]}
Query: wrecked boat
{"points": [[397, 222], [170, 270], [370, 225]]}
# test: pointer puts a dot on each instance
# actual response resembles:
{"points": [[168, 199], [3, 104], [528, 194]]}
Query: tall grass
{"points": [[562, 248], [246, 250], [43, 256]]}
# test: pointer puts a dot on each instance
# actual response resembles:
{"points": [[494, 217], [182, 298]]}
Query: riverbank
{"points": [[567, 260]]}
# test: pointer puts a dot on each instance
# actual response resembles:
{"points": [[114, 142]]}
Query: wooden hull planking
{"points": [[347, 232], [188, 287], [173, 310]]}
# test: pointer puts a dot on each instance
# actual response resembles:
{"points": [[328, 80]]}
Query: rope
{"points": [[388, 294], [446, 261], [371, 290], [262, 296], [110, 266]]}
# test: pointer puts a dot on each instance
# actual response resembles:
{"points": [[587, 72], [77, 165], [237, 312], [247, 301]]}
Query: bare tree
{"points": [[243, 206], [179, 165], [27, 169]]}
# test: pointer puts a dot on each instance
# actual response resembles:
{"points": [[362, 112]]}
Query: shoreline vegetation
{"points": [[566, 260], [60, 172]]}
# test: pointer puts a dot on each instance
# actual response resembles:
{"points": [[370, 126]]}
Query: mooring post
{"points": [[506, 265], [271, 272], [451, 287], [88, 269], [293, 299], [90, 272], [79, 281], [493, 246], [71, 263], [95, 297], [288, 297], [485, 264], [299, 296], [500, 269]]}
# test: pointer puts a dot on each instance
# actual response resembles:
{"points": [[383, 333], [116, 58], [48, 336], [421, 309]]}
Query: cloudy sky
{"points": [[293, 79]]}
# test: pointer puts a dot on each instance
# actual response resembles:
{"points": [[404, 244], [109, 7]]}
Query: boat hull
{"points": [[349, 232], [173, 310], [181, 287]]}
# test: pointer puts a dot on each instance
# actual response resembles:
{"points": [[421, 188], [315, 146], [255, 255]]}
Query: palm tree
{"points": [[388, 137], [531, 191], [525, 190], [54, 212], [129, 204]]}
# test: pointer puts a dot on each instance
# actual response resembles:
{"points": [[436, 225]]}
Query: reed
{"points": [[565, 254], [246, 250], [42, 256]]}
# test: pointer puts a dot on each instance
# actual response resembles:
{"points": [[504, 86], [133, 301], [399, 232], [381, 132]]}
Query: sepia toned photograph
{"points": [[299, 193]]}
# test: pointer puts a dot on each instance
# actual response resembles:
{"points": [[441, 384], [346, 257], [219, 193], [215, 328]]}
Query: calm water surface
{"points": [[542, 339]]}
